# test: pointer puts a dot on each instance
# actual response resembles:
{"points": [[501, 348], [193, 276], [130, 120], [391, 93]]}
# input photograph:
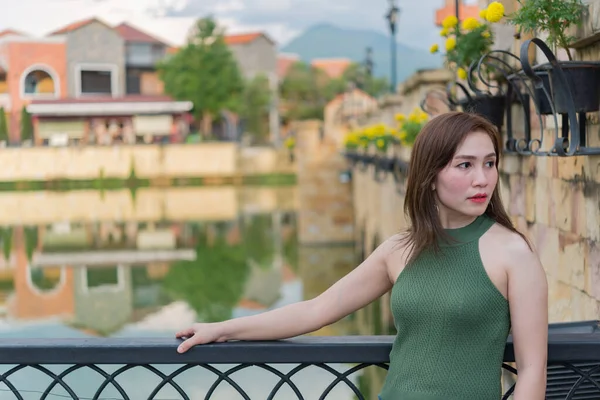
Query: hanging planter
{"points": [[556, 17], [583, 84], [490, 106]]}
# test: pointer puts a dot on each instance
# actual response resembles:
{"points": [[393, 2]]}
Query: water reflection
{"points": [[81, 264]]}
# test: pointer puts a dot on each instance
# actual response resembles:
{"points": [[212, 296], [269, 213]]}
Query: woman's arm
{"points": [[360, 287], [528, 298]]}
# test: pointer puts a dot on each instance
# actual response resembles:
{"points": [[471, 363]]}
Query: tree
{"points": [[3, 125], [303, 92], [306, 90], [204, 72], [255, 108], [212, 284], [358, 75], [26, 125]]}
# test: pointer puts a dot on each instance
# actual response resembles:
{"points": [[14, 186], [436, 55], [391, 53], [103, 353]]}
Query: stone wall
{"points": [[150, 161], [555, 201]]}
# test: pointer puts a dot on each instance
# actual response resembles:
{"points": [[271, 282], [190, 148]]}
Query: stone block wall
{"points": [[554, 201]]}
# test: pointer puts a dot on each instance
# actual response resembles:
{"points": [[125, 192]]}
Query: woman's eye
{"points": [[464, 165], [491, 164]]}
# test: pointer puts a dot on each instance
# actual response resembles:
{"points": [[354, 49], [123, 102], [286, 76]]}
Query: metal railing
{"points": [[300, 368]]}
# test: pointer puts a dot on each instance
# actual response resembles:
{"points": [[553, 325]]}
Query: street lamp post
{"points": [[392, 18], [457, 5]]}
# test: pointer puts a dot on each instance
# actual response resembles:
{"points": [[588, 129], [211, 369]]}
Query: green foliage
{"points": [[31, 240], [6, 234], [303, 92], [470, 46], [255, 108], [551, 16], [3, 125], [357, 75], [258, 239], [26, 125], [306, 90], [204, 72], [213, 283]]}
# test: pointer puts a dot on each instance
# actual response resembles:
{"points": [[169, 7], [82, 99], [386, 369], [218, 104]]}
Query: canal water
{"points": [[148, 262]]}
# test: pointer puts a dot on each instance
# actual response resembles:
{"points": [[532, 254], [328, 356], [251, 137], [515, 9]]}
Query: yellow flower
{"points": [[290, 142], [380, 143], [449, 22], [485, 34], [444, 32], [483, 13], [434, 48], [450, 44], [495, 12], [462, 73], [470, 23], [400, 117], [379, 129]]}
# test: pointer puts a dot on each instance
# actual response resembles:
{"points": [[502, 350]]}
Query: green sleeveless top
{"points": [[452, 324]]}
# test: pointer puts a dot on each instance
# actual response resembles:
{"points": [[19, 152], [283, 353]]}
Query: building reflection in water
{"points": [[109, 264]]}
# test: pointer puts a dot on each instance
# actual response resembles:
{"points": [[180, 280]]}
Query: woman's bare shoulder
{"points": [[512, 248]]}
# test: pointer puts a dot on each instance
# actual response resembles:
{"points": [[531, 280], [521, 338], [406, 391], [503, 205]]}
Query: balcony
{"points": [[148, 368], [143, 55]]}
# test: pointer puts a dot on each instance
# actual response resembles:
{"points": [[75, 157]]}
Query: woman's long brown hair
{"points": [[433, 149]]}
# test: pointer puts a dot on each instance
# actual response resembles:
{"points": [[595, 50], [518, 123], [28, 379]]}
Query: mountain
{"points": [[329, 41]]}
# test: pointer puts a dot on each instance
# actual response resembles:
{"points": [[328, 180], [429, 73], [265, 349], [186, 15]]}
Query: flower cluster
{"points": [[409, 127], [466, 43], [380, 135]]}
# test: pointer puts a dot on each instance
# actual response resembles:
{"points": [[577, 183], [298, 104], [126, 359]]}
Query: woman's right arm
{"points": [[361, 286]]}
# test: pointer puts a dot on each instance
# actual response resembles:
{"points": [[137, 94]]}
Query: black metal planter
{"points": [[541, 100], [490, 107], [583, 80]]}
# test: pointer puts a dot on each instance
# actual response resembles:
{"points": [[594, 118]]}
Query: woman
{"points": [[461, 278]]}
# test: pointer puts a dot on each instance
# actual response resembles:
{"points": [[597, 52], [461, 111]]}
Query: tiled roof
{"points": [[131, 34], [284, 62], [243, 38], [333, 67], [75, 25], [464, 11], [7, 32]]}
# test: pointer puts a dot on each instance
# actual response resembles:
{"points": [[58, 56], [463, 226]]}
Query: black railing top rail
{"points": [[579, 346]]}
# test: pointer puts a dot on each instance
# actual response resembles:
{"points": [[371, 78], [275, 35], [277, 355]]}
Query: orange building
{"points": [[464, 11], [333, 67], [30, 69]]}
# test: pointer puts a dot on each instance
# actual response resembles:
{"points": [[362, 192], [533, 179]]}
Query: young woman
{"points": [[461, 277]]}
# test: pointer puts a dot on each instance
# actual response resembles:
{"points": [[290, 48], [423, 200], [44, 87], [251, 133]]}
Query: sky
{"points": [[281, 19]]}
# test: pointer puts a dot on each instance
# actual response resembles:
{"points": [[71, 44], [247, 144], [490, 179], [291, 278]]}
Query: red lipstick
{"points": [[479, 198]]}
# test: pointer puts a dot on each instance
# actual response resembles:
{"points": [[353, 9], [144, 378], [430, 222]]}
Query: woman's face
{"points": [[465, 186]]}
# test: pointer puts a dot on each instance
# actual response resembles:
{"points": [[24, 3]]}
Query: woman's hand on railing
{"points": [[201, 333]]}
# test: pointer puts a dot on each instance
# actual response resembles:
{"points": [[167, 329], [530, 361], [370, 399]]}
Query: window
{"points": [[38, 82], [133, 82], [96, 82]]}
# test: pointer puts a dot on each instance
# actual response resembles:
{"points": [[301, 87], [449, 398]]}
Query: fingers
{"points": [[188, 332], [187, 344]]}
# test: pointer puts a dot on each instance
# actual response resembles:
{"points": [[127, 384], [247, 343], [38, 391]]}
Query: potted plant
{"points": [[556, 18], [465, 44]]}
